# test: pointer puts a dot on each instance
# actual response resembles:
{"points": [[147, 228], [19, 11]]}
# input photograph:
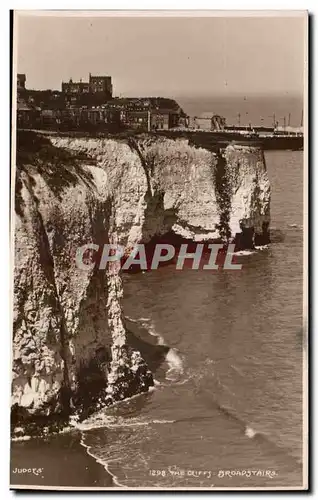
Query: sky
{"points": [[167, 56]]}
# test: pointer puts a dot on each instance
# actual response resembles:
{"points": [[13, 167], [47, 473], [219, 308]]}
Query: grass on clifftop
{"points": [[60, 168]]}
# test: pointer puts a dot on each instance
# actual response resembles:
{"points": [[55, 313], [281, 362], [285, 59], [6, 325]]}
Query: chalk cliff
{"points": [[70, 349]]}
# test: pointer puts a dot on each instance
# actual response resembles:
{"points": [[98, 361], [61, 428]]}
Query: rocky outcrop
{"points": [[70, 350]]}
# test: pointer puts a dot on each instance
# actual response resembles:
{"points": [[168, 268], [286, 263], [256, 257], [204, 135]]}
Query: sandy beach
{"points": [[58, 461]]}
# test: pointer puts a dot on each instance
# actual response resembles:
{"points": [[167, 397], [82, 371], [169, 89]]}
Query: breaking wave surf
{"points": [[173, 358]]}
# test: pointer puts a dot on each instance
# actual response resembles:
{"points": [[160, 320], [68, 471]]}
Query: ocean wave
{"points": [[262, 247], [173, 358], [250, 251], [249, 432], [295, 226], [21, 438], [43, 433], [102, 420], [122, 449], [103, 463], [175, 364], [244, 252], [149, 326], [138, 320]]}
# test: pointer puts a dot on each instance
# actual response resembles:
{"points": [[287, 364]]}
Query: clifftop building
{"points": [[98, 88], [75, 87], [101, 84], [90, 105]]}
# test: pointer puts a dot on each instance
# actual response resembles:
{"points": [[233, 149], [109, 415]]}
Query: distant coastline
{"points": [[255, 108]]}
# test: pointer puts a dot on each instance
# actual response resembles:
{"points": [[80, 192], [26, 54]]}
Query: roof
{"points": [[99, 76]]}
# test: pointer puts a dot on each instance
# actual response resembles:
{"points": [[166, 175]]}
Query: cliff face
{"points": [[70, 347], [162, 185]]}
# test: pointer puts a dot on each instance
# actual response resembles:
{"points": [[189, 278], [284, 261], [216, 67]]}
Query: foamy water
{"points": [[173, 358]]}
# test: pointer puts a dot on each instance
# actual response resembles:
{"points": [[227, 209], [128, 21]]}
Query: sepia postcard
{"points": [[159, 243]]}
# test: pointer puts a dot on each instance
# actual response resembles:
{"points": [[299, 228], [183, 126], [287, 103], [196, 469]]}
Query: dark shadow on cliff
{"points": [[58, 167]]}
